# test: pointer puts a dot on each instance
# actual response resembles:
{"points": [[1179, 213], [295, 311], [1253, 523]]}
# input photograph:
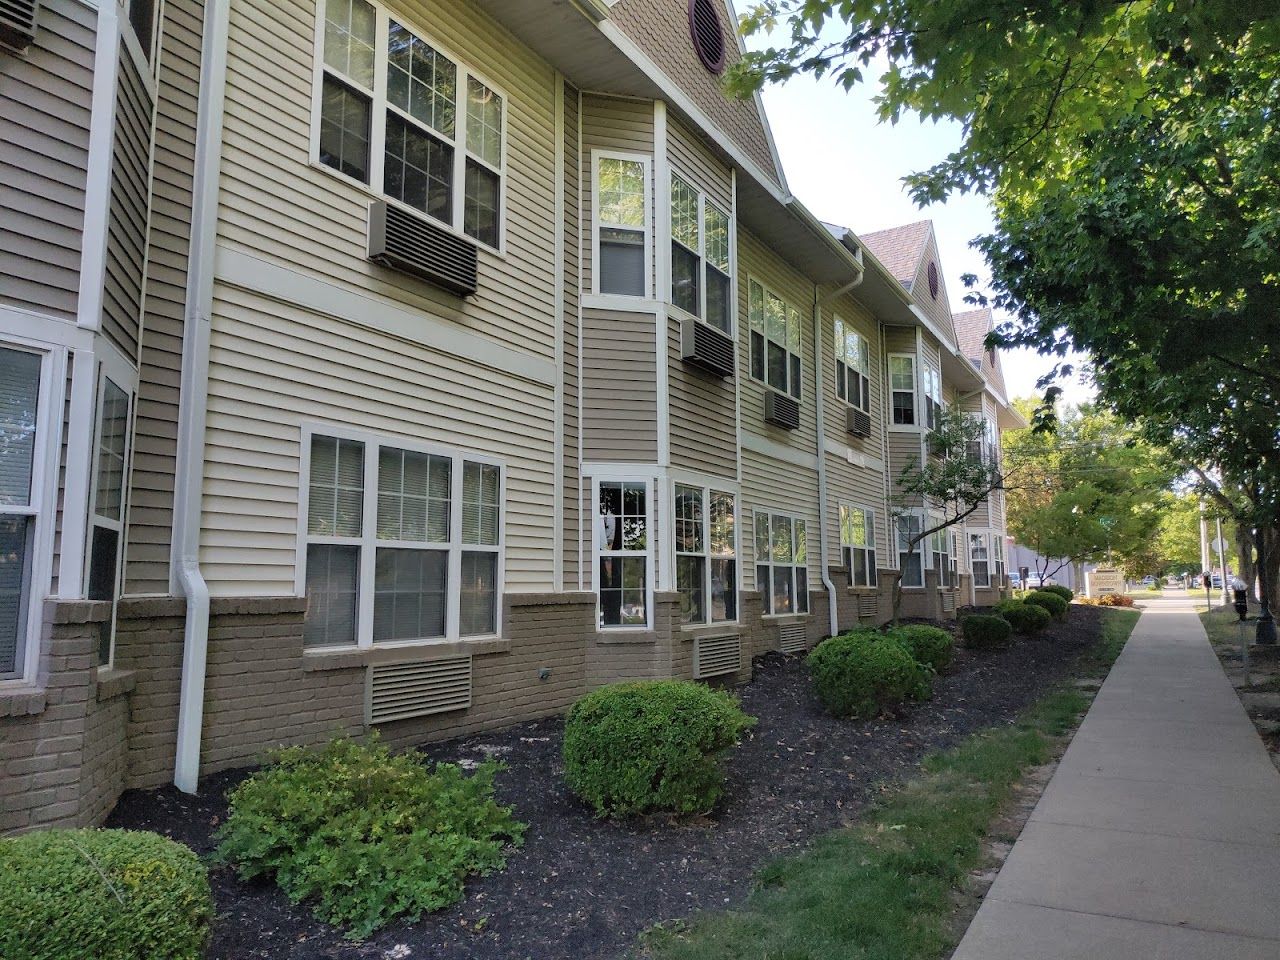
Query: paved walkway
{"points": [[1158, 837]]}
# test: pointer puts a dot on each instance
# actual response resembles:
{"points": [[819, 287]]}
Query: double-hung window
{"points": [[939, 555], [979, 560], [782, 571], [953, 565], [997, 560], [398, 114], [857, 538], [932, 396], [402, 544], [623, 553], [106, 526], [21, 439], [706, 555], [622, 225], [902, 385], [910, 561], [853, 367], [700, 281], [775, 339]]}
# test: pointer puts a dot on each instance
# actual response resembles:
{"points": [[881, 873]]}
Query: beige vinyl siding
{"points": [[704, 435], [776, 486], [572, 339], [60, 508], [619, 387], [905, 449], [159, 373], [127, 223], [276, 206], [858, 487], [692, 160], [937, 309], [980, 517], [899, 340], [620, 126], [273, 367], [45, 99], [930, 355], [860, 319]]}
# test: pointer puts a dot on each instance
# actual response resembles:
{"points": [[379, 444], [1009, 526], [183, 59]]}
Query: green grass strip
{"points": [[884, 889]]}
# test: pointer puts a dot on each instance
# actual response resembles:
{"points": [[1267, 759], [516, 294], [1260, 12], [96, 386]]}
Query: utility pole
{"points": [[1204, 555]]}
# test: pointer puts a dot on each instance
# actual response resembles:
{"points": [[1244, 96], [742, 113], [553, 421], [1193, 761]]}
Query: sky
{"points": [[847, 168]]}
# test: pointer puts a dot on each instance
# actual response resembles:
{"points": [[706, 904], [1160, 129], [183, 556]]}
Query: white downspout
{"points": [[189, 480], [833, 608]]}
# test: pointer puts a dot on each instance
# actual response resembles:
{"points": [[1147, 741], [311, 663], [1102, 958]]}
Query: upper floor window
{"points": [[700, 270], [622, 225], [21, 425], [406, 119], [932, 396], [775, 339], [902, 383], [782, 571], [706, 555], [402, 544], [142, 18], [853, 367], [857, 539]]}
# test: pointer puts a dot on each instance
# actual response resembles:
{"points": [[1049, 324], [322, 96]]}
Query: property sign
{"points": [[1104, 580]]}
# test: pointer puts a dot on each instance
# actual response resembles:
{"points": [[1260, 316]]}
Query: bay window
{"points": [[932, 378], [402, 117], [902, 385], [853, 367], [997, 560], [782, 571], [979, 560], [940, 555], [706, 555], [402, 544], [621, 224], [21, 436], [953, 566], [857, 539], [775, 339], [910, 560], [106, 525], [623, 553], [700, 264]]}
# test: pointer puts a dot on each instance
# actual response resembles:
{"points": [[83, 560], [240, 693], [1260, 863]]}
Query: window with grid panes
{"points": [[700, 281], [622, 226], [902, 386], [932, 396], [706, 555], [979, 560], [782, 573], [910, 561], [857, 537], [20, 373], [106, 528], [853, 367], [776, 338], [622, 553]]}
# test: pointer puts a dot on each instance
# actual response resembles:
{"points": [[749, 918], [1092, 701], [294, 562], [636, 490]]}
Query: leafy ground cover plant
{"points": [[982, 632], [1025, 618], [860, 673], [365, 835], [651, 746], [112, 894]]}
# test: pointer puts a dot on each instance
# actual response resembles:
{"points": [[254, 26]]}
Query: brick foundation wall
{"points": [[149, 642]]}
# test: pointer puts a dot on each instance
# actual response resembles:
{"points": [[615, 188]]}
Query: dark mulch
{"points": [[581, 888]]}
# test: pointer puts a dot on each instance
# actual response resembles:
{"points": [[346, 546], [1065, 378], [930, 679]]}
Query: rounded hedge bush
{"points": [[112, 894], [1066, 593], [860, 673], [650, 746], [1050, 601], [983, 632], [931, 646], [1025, 618]]}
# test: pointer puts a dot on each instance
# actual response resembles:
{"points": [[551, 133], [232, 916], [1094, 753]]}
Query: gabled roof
{"points": [[972, 328], [900, 249]]}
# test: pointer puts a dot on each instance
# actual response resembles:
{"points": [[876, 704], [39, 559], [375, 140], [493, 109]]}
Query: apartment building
{"points": [[424, 364]]}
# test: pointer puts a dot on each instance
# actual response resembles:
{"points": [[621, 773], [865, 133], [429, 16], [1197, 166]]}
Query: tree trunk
{"points": [[897, 597], [1271, 575]]}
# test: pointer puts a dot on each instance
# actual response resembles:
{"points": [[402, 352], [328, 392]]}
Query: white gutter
{"points": [[833, 608], [185, 556]]}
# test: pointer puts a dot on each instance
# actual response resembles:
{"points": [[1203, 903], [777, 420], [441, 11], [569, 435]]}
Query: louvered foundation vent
{"points": [[715, 656], [948, 602], [18, 22], [868, 605], [413, 244], [397, 691], [793, 638]]}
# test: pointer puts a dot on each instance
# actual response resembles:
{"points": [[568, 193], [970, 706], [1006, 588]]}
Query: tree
{"points": [[957, 477]]}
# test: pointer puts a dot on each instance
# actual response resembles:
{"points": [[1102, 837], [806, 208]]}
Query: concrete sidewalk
{"points": [[1158, 837]]}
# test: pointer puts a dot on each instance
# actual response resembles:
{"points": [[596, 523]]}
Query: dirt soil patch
{"points": [[581, 888]]}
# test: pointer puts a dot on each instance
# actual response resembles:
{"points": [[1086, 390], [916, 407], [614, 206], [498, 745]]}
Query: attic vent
{"points": [[713, 656], [868, 605], [782, 410], [933, 280], [858, 422], [793, 638], [707, 34], [707, 348], [18, 22], [415, 245], [401, 690], [948, 602]]}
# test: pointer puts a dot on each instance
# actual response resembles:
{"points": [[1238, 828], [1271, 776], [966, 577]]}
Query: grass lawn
{"points": [[883, 889], [1223, 626]]}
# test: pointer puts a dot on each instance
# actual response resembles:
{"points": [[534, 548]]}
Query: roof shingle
{"points": [[899, 249]]}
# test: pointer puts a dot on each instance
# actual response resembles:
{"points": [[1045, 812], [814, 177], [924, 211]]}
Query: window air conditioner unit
{"points": [[414, 245], [782, 410], [706, 347], [18, 22], [858, 422]]}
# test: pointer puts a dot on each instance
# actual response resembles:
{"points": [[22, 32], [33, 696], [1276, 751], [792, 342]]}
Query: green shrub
{"points": [[366, 835], [1050, 601], [1066, 593], [112, 894], [1025, 618], [651, 746], [931, 646], [860, 673], [982, 632]]}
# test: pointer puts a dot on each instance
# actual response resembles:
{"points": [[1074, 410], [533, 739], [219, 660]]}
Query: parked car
{"points": [[1149, 582], [1015, 581]]}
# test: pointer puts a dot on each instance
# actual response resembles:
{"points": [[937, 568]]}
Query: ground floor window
{"points": [[940, 555], [857, 538], [910, 561], [706, 554], [953, 571], [979, 559], [106, 527], [403, 543], [782, 558], [624, 566], [997, 559]]}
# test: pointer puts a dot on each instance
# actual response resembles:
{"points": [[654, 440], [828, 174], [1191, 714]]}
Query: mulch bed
{"points": [[581, 888]]}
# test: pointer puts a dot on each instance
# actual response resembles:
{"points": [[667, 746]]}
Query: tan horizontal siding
{"points": [[619, 387], [777, 486], [702, 413], [691, 159], [572, 338], [858, 487]]}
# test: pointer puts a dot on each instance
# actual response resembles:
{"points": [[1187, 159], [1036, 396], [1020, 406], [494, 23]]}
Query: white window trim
{"points": [[869, 515], [368, 540], [707, 555], [794, 565], [843, 382], [701, 253], [974, 561], [646, 162], [931, 389], [751, 278], [43, 500], [916, 426], [650, 552], [378, 122], [922, 548]]}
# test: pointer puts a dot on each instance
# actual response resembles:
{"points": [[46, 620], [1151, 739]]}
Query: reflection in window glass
{"points": [[622, 545], [421, 81]]}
